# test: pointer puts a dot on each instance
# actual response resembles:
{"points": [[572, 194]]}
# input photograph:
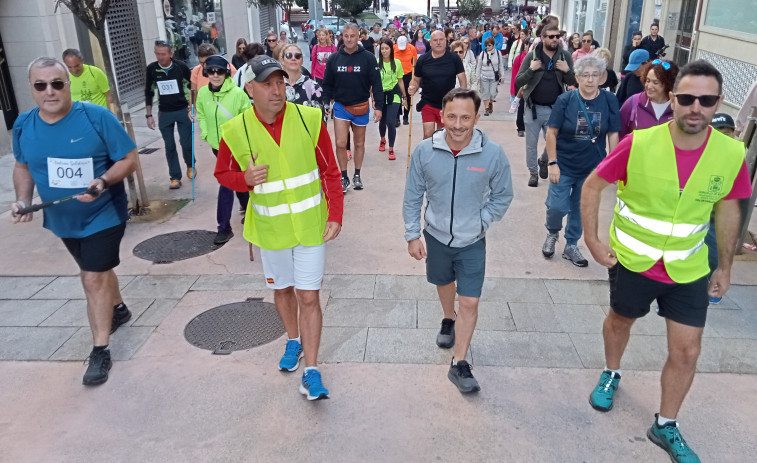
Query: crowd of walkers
{"points": [[655, 132]]}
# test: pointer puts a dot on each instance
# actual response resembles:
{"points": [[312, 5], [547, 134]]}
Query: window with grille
{"points": [[127, 52]]}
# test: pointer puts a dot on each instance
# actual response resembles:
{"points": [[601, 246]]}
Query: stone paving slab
{"points": [[155, 314], [350, 286], [400, 345], [500, 348], [743, 296], [74, 312], [366, 313], [557, 318], [71, 288], [22, 287], [229, 283], [27, 312], [404, 287], [492, 316], [514, 290], [342, 344], [124, 343], [643, 352], [733, 324], [578, 292], [163, 286], [32, 343]]}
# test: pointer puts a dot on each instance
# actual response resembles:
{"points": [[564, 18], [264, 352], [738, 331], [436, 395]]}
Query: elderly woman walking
{"points": [[491, 71], [652, 106], [584, 123]]}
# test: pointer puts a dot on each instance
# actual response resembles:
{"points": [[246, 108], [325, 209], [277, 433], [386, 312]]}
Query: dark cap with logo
{"points": [[260, 67], [722, 120]]}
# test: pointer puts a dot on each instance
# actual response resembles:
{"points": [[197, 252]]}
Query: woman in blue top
{"points": [[583, 126], [391, 83]]}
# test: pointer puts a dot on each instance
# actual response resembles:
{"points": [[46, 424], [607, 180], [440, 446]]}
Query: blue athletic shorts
{"points": [[343, 114], [466, 266]]}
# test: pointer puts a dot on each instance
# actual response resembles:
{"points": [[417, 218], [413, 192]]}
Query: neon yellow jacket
{"points": [[216, 108]]}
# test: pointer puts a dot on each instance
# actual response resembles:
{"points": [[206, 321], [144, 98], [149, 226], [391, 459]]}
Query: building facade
{"points": [[34, 28]]}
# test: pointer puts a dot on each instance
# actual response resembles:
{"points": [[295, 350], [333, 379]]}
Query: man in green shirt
{"points": [[88, 83]]}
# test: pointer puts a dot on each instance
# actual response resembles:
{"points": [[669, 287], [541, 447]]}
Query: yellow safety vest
{"points": [[654, 219], [289, 208]]}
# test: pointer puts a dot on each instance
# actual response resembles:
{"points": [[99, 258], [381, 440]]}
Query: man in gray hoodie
{"points": [[466, 180]]}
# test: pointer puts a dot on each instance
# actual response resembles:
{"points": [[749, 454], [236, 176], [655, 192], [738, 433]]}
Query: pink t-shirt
{"points": [[614, 168]]}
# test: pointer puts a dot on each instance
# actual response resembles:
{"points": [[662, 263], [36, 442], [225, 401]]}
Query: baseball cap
{"points": [[260, 67], [216, 61], [722, 120], [402, 42], [637, 58]]}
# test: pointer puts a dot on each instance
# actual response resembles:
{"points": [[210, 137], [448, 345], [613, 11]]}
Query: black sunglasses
{"points": [[218, 71], [271, 40], [42, 86], [290, 55], [707, 101], [586, 41], [553, 36]]}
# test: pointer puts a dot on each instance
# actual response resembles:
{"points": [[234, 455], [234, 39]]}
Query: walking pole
{"points": [[410, 126], [194, 171]]}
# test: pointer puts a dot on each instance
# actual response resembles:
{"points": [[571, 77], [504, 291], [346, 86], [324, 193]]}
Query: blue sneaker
{"points": [[715, 300], [312, 387], [602, 395], [669, 438], [291, 359]]}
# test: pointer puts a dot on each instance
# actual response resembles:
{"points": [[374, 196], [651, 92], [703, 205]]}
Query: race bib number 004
{"points": [[168, 87], [69, 173]]}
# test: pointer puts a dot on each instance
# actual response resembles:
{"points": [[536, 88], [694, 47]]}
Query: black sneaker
{"points": [[543, 166], [121, 315], [357, 182], [405, 121], [222, 237], [99, 365], [461, 376], [521, 133], [534, 179], [446, 337], [345, 184]]}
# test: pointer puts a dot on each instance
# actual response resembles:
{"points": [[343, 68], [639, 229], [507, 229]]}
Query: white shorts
{"points": [[300, 266]]}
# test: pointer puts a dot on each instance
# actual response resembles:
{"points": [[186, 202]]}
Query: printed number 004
{"points": [[68, 172]]}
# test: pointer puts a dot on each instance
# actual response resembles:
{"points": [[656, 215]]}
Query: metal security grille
{"points": [[267, 15], [126, 50]]}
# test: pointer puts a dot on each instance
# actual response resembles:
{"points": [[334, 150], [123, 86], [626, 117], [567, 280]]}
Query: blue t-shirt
{"points": [[64, 150], [576, 154]]}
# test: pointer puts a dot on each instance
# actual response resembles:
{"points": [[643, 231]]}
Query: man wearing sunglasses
{"points": [[64, 148], [585, 49], [171, 78], [670, 178]]}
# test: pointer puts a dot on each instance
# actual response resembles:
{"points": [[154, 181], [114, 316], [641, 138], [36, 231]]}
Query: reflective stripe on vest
{"points": [[680, 230], [290, 183], [644, 249], [294, 208]]}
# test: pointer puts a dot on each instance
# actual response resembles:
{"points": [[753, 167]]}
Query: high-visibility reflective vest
{"points": [[654, 219], [289, 208]]}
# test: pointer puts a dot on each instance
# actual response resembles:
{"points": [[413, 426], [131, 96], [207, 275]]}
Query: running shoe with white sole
{"points": [[312, 387], [602, 396], [357, 182], [669, 438], [292, 355], [345, 184]]}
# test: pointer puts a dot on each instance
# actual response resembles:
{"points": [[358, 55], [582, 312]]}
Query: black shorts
{"points": [[631, 295], [466, 266], [99, 251]]}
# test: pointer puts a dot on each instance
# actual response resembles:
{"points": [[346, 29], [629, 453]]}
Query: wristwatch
{"points": [[147, 116]]}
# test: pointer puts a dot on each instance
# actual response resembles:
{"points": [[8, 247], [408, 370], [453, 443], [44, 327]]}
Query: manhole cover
{"points": [[164, 249], [237, 326]]}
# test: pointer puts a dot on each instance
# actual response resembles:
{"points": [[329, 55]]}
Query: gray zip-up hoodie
{"points": [[464, 193]]}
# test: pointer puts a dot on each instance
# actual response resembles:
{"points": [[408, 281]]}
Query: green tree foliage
{"points": [[353, 7], [470, 9], [302, 4]]}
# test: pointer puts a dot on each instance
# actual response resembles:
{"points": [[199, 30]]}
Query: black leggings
{"points": [[406, 80], [388, 117]]}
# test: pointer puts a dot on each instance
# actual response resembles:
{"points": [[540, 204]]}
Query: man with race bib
{"points": [[171, 79], [64, 148]]}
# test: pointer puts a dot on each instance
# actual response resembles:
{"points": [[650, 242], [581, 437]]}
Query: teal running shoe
{"points": [[669, 438], [602, 395], [312, 387], [292, 355]]}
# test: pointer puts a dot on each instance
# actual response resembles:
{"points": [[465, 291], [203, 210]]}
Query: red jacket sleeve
{"points": [[227, 170], [331, 178]]}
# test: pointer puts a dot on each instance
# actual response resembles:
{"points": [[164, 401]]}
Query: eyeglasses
{"points": [[707, 101], [552, 36], [216, 71], [290, 55], [594, 75], [459, 52], [270, 40], [586, 41], [56, 85], [665, 65]]}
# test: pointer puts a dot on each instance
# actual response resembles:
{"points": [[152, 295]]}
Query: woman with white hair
{"points": [[583, 126]]}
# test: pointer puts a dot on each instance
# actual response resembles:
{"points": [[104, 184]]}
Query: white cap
{"points": [[402, 42]]}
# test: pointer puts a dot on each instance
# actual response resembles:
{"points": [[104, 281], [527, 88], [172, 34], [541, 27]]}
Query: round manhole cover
{"points": [[237, 326], [170, 247]]}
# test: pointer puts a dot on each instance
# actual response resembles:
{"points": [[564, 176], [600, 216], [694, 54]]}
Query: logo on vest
{"points": [[714, 190]]}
